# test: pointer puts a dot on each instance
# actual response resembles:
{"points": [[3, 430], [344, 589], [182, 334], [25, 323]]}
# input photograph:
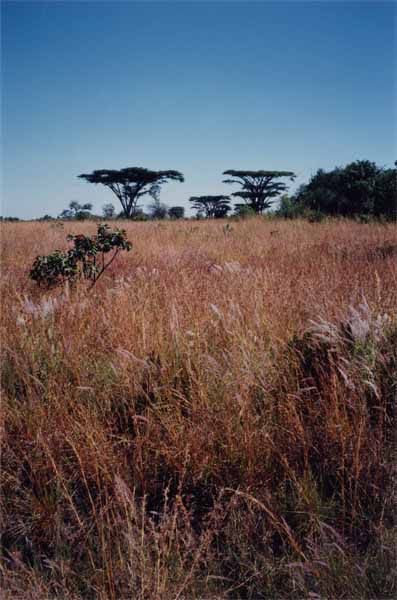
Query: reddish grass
{"points": [[213, 420]]}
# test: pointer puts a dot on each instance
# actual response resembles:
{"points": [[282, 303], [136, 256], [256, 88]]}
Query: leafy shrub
{"points": [[140, 216], [177, 212], [85, 260], [54, 268], [314, 216], [137, 215], [242, 211], [289, 209]]}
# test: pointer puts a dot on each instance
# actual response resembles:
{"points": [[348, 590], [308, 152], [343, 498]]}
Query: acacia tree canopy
{"points": [[132, 183], [258, 188], [212, 206]]}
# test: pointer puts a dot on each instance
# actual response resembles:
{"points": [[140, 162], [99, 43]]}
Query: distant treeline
{"points": [[360, 190]]}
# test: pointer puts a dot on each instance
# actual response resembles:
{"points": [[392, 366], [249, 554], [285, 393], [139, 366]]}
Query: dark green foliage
{"points": [[314, 216], [138, 215], [385, 200], [258, 188], [359, 188], [176, 212], [132, 183], [289, 209], [85, 260], [243, 211], [216, 207], [54, 269]]}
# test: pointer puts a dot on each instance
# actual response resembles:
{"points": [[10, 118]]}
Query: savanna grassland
{"points": [[214, 419]]}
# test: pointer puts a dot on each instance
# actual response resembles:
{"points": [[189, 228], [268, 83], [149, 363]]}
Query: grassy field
{"points": [[215, 419]]}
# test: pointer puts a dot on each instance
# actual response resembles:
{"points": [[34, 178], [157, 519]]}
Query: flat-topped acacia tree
{"points": [[132, 183], [258, 188], [214, 207]]}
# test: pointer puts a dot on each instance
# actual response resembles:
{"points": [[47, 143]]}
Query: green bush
{"points": [[85, 260], [314, 216], [288, 209], [243, 211], [54, 269]]}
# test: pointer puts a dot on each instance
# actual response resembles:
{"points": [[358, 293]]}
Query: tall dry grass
{"points": [[216, 419]]}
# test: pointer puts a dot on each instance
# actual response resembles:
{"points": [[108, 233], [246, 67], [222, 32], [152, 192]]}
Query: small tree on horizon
{"points": [[158, 210], [77, 211], [243, 211], [215, 207], [177, 212], [258, 188], [131, 183], [108, 211]]}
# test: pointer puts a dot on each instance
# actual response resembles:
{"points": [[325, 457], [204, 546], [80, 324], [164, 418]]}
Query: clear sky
{"points": [[199, 87]]}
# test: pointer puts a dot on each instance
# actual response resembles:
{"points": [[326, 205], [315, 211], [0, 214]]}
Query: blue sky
{"points": [[200, 87]]}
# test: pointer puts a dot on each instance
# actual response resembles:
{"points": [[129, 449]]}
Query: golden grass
{"points": [[185, 430]]}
